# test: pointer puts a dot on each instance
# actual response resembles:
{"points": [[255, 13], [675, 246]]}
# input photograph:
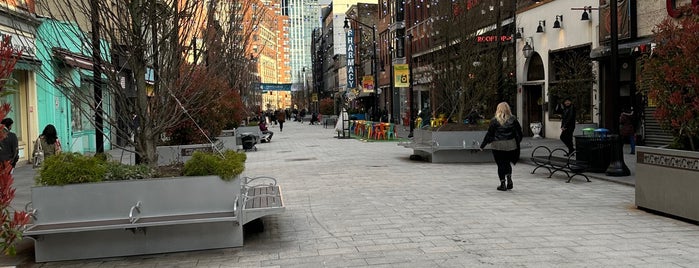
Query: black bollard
{"points": [[617, 167]]}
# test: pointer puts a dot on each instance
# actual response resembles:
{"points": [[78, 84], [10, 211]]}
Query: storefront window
{"points": [[13, 85], [80, 109], [572, 77]]}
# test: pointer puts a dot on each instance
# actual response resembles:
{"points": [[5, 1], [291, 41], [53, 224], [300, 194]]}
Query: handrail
{"points": [[136, 208], [248, 180], [235, 206], [31, 212]]}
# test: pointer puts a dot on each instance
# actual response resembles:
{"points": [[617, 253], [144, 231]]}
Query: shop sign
{"points": [[368, 84], [672, 10], [351, 78], [492, 38], [402, 75], [19, 42]]}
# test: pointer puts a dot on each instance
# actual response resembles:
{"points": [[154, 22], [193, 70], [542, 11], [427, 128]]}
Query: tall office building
{"points": [[304, 16]]}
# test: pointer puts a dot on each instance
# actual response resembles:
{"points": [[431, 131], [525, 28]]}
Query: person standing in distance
{"points": [[568, 124], [9, 146], [504, 136]]}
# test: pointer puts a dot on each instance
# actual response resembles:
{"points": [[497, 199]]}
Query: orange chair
{"points": [[380, 131]]}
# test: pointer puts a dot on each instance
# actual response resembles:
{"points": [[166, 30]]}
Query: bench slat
{"points": [[258, 197], [73, 227]]}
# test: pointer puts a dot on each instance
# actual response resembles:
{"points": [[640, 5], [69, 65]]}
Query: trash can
{"points": [[601, 132], [596, 150], [588, 131]]}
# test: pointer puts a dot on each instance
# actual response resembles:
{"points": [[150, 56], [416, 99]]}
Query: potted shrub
{"points": [[667, 179]]}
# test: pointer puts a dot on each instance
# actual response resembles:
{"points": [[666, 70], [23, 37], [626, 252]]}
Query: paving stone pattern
{"points": [[365, 204]]}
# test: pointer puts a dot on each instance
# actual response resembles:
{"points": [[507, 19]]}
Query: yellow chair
{"points": [[369, 127]]}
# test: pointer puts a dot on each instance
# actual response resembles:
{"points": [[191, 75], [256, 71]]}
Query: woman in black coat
{"points": [[504, 135]]}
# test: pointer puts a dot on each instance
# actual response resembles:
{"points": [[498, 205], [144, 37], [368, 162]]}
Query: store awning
{"points": [[28, 64], [625, 49]]}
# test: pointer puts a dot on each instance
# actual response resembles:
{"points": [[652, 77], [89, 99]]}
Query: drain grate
{"points": [[301, 159]]}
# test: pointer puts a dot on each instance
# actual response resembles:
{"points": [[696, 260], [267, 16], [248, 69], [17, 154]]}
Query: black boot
{"points": [[502, 186], [509, 181]]}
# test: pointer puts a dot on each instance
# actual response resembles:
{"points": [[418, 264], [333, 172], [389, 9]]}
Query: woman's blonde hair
{"points": [[503, 113]]}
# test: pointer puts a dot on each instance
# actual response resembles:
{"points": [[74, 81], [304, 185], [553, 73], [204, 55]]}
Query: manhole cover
{"points": [[377, 166], [281, 152], [300, 159]]}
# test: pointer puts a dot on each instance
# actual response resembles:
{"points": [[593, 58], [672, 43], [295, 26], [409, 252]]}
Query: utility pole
{"points": [[97, 76]]}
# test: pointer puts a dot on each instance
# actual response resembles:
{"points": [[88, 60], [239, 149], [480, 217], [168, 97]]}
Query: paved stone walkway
{"points": [[353, 203]]}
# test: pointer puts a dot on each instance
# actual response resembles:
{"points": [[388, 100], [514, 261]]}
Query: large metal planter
{"points": [[449, 146], [667, 181], [95, 202]]}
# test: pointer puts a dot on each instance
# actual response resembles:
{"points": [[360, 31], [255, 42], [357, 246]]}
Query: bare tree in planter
{"points": [[149, 52]]}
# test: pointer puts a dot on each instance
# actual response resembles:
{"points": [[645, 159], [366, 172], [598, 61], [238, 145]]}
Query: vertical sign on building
{"points": [[351, 78]]}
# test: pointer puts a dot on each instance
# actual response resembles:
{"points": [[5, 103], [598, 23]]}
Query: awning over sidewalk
{"points": [[602, 52]]}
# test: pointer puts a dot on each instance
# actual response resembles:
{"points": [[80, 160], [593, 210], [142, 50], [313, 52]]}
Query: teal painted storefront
{"points": [[66, 63]]}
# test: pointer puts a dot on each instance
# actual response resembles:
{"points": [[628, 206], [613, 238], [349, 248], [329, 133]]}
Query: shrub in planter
{"points": [[228, 166], [118, 172], [70, 168], [670, 78]]}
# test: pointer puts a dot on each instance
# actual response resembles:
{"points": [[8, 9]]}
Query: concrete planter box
{"points": [[113, 202], [449, 146], [168, 155], [228, 139], [667, 181]]}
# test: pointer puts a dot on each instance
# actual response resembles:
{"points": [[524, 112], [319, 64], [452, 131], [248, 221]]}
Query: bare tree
{"points": [[469, 62], [156, 46]]}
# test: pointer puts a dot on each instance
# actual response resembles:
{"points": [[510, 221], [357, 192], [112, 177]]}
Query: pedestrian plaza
{"points": [[354, 203]]}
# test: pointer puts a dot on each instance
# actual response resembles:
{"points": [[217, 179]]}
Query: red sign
{"points": [[493, 38]]}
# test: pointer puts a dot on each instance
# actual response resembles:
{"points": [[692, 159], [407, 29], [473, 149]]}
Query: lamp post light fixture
{"points": [[374, 67], [540, 28], [528, 49], [557, 23]]}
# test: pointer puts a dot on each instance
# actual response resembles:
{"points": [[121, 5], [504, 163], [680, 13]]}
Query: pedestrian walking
{"points": [[504, 136], [568, 124], [627, 129], [281, 117], [9, 146]]}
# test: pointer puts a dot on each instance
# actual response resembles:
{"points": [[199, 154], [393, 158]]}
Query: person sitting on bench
{"points": [[314, 118], [266, 134]]}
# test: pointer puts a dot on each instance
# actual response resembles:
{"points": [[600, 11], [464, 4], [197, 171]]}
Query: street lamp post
{"points": [[373, 63], [410, 87]]}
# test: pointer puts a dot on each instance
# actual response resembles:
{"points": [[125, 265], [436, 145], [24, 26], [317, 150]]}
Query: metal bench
{"points": [[111, 219], [262, 196], [558, 160]]}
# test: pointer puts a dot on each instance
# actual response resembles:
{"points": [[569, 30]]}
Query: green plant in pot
{"points": [[670, 78]]}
